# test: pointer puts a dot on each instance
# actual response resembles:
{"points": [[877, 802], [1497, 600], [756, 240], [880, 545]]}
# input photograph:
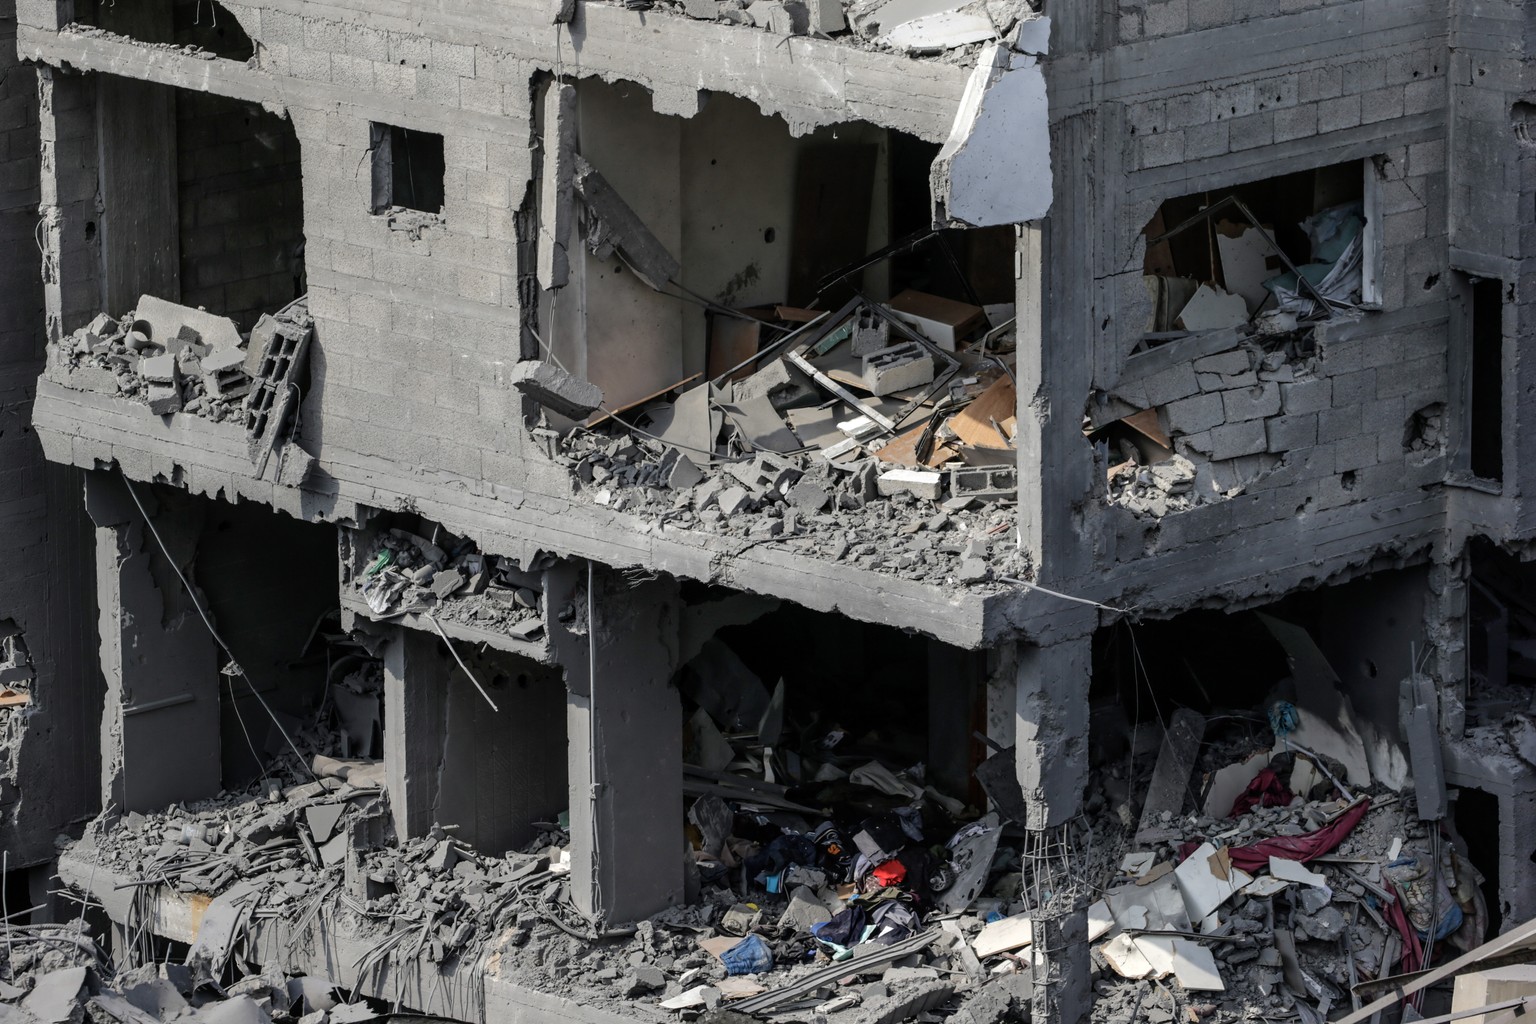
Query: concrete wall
{"points": [[241, 207], [48, 763], [1327, 482]]}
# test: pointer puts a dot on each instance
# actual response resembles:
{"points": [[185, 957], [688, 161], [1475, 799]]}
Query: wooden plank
{"points": [[902, 450], [973, 424], [641, 401]]}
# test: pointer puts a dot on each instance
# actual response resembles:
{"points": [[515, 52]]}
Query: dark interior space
{"points": [[1226, 665], [1477, 821], [241, 205], [1485, 412], [981, 270], [270, 584], [18, 898], [408, 169], [1501, 632], [870, 681], [205, 24]]}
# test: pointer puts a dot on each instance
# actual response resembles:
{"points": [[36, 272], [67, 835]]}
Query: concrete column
{"points": [[160, 725], [413, 739], [1517, 847], [618, 646], [1052, 729], [1052, 741]]}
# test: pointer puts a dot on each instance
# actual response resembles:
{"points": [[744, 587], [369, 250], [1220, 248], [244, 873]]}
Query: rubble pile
{"points": [[833, 512], [924, 29], [448, 579], [855, 437], [175, 359]]}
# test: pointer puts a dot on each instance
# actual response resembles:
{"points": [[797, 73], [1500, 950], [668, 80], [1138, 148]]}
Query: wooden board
{"points": [[902, 450], [973, 423], [641, 401]]}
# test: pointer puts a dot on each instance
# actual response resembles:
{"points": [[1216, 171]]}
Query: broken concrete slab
{"points": [[624, 230], [54, 998], [556, 390], [556, 185], [995, 167]]}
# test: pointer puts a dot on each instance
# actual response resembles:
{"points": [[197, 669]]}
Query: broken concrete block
{"points": [[163, 322], [682, 473], [871, 332], [160, 370], [262, 337], [808, 496], [824, 17], [923, 483], [555, 389], [897, 368], [93, 378], [803, 912], [733, 500], [164, 399]]}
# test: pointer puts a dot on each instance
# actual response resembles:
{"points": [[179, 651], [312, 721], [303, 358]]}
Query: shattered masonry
{"points": [[729, 510]]}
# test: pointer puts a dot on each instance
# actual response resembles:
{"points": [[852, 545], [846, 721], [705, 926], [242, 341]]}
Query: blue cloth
{"points": [[749, 956]]}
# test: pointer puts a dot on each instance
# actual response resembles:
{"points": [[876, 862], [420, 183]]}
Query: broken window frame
{"points": [[1371, 249], [1463, 359]]}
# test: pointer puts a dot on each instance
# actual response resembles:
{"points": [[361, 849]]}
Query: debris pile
{"points": [[853, 437], [176, 359], [446, 578], [920, 29]]}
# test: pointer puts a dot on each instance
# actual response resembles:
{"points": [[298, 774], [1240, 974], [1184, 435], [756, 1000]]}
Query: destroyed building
{"points": [[893, 510]]}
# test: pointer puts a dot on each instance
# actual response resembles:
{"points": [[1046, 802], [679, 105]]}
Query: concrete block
{"points": [[555, 389], [1230, 440], [871, 332], [922, 483], [160, 370], [1194, 414], [1307, 395], [985, 483], [897, 368], [1287, 433], [1228, 364], [733, 500], [1170, 385], [1251, 403]]}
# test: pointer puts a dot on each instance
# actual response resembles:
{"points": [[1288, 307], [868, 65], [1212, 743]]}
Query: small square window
{"points": [[407, 169]]}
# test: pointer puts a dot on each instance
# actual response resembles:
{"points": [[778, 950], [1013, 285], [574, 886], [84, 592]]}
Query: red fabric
{"points": [[1266, 790], [1303, 848], [890, 873]]}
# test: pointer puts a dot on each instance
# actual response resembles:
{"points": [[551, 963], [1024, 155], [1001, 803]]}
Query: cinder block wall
{"points": [[241, 206], [47, 764], [1228, 94]]}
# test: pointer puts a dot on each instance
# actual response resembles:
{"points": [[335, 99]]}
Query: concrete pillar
{"points": [[413, 739], [160, 725], [618, 646], [1052, 729], [1052, 741], [1517, 848]]}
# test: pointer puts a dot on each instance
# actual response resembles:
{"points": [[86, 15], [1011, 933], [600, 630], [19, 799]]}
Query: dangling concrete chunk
{"points": [[555, 389]]}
